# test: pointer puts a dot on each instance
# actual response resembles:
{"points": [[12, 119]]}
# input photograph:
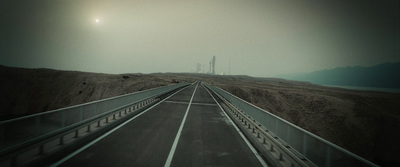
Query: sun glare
{"points": [[97, 20]]}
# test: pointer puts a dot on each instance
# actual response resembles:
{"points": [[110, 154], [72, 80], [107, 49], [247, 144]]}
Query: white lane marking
{"points": [[109, 132], [204, 104], [177, 102], [180, 102], [241, 134], [172, 151]]}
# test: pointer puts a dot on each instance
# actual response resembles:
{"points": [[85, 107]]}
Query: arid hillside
{"points": [[29, 91], [364, 122]]}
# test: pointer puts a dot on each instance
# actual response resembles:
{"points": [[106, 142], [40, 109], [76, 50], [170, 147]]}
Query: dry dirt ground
{"points": [[364, 122]]}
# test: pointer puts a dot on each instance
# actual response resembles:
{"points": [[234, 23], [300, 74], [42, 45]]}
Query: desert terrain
{"points": [[29, 91], [364, 122]]}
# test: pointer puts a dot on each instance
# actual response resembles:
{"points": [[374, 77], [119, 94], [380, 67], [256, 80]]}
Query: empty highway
{"points": [[186, 129]]}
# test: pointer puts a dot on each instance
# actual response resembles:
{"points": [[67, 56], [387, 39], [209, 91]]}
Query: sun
{"points": [[97, 20]]}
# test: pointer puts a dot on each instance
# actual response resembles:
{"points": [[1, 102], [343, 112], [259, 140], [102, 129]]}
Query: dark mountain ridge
{"points": [[385, 75]]}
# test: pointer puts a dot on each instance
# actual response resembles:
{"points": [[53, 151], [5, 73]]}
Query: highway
{"points": [[187, 128]]}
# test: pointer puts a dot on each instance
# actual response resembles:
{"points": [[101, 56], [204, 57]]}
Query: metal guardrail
{"points": [[21, 132], [316, 149], [277, 153]]}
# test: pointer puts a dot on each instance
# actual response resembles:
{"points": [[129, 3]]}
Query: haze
{"points": [[258, 38]]}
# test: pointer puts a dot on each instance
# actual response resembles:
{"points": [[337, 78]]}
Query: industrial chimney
{"points": [[213, 65]]}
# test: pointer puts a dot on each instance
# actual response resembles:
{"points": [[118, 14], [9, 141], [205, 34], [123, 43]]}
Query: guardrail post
{"points": [[304, 145], [328, 156]]}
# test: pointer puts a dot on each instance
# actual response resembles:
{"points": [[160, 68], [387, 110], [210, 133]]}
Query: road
{"points": [[186, 129]]}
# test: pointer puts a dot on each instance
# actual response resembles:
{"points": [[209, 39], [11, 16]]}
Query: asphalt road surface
{"points": [[186, 129]]}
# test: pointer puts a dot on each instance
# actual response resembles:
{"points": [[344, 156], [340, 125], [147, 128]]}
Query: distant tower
{"points": [[229, 66], [210, 70], [213, 65]]}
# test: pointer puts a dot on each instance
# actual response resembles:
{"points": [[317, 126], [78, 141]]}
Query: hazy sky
{"points": [[260, 37]]}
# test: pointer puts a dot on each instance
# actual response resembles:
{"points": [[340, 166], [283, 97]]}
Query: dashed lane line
{"points": [[180, 102], [172, 151]]}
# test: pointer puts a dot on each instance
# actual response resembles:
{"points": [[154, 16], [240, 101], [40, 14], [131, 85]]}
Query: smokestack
{"points": [[210, 69], [229, 66], [213, 65]]}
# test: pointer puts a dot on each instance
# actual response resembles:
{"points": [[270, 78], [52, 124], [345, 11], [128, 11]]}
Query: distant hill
{"points": [[385, 75]]}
